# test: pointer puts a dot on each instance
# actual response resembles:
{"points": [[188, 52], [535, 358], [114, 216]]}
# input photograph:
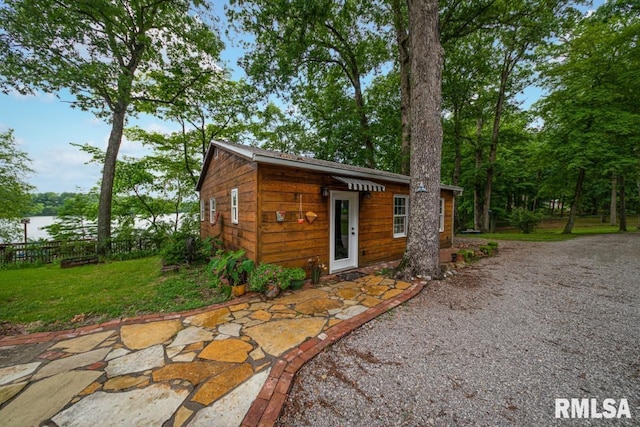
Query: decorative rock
{"points": [[71, 363], [370, 301], [402, 285], [375, 290], [230, 329], [150, 406], [230, 410], [83, 344], [8, 391], [186, 357], [348, 293], [303, 295], [12, 373], [257, 354], [239, 307], [149, 358], [127, 381], [278, 336], [373, 280], [221, 337], [391, 293], [43, 399], [91, 388], [173, 351], [260, 306], [194, 372], [231, 350], [190, 335], [144, 335], [349, 312], [196, 346], [182, 415], [209, 319], [260, 315], [318, 306], [118, 352], [217, 387], [240, 314], [349, 285]]}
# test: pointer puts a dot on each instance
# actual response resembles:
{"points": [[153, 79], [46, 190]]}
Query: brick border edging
{"points": [[112, 324], [266, 408]]}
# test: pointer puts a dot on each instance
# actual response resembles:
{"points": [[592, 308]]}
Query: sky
{"points": [[45, 126]]}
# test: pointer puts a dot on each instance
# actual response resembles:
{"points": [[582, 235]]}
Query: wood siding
{"points": [[265, 189], [226, 172], [289, 243]]}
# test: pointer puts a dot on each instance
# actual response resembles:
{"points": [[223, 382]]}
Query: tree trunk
{"points": [[404, 62], [576, 200], [364, 124], [623, 203], [612, 208], [495, 132], [108, 175], [477, 186], [422, 257]]}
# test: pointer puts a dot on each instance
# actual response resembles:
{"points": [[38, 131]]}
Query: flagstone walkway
{"points": [[226, 365]]}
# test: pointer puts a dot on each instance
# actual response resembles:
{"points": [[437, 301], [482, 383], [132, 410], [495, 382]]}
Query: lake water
{"points": [[35, 231]]}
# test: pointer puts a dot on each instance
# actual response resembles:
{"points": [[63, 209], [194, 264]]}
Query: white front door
{"points": [[343, 238]]}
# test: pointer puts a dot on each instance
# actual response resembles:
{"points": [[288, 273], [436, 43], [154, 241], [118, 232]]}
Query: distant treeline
{"points": [[48, 204]]}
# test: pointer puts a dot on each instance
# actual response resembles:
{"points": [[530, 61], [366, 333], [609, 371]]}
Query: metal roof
{"points": [[260, 155]]}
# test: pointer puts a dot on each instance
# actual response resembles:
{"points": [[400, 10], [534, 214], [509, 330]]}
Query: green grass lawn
{"points": [[49, 298], [551, 230]]}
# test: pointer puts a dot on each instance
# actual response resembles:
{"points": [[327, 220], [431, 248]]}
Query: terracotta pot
{"points": [[239, 290]]}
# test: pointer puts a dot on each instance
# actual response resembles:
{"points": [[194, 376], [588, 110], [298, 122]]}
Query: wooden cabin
{"points": [[284, 209]]}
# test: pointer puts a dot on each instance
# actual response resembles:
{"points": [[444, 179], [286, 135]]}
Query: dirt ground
{"points": [[496, 344]]}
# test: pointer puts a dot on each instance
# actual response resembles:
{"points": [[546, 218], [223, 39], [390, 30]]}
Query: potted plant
{"points": [[296, 277], [316, 269], [232, 269]]}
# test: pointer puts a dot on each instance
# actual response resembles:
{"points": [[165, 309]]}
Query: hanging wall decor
{"points": [[300, 218], [281, 216], [311, 216]]}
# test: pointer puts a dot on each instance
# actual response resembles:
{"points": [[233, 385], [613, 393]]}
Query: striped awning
{"points": [[360, 184]]}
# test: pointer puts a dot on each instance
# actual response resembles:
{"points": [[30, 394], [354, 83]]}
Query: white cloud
{"points": [[64, 169]]}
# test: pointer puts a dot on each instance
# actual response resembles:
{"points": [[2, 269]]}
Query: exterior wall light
{"points": [[421, 188], [324, 191]]}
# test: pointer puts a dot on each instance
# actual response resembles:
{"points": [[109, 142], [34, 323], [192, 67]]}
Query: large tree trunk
{"points": [[612, 209], [577, 194], [404, 62], [108, 175], [623, 204], [422, 257]]}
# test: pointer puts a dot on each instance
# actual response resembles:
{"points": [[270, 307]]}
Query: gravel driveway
{"points": [[495, 344]]}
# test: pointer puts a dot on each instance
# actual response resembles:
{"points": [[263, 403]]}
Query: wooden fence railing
{"points": [[51, 251]]}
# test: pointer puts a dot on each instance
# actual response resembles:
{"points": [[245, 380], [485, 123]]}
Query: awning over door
{"points": [[360, 184]]}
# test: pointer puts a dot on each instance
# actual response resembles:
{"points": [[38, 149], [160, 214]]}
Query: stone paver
{"points": [[227, 365]]}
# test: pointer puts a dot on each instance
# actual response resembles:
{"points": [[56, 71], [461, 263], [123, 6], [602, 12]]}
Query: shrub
{"points": [[231, 267], [266, 273], [524, 219]]}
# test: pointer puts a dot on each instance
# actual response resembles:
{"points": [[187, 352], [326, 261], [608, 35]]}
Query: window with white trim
{"points": [[441, 215], [400, 215], [212, 210], [201, 210], [234, 206]]}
